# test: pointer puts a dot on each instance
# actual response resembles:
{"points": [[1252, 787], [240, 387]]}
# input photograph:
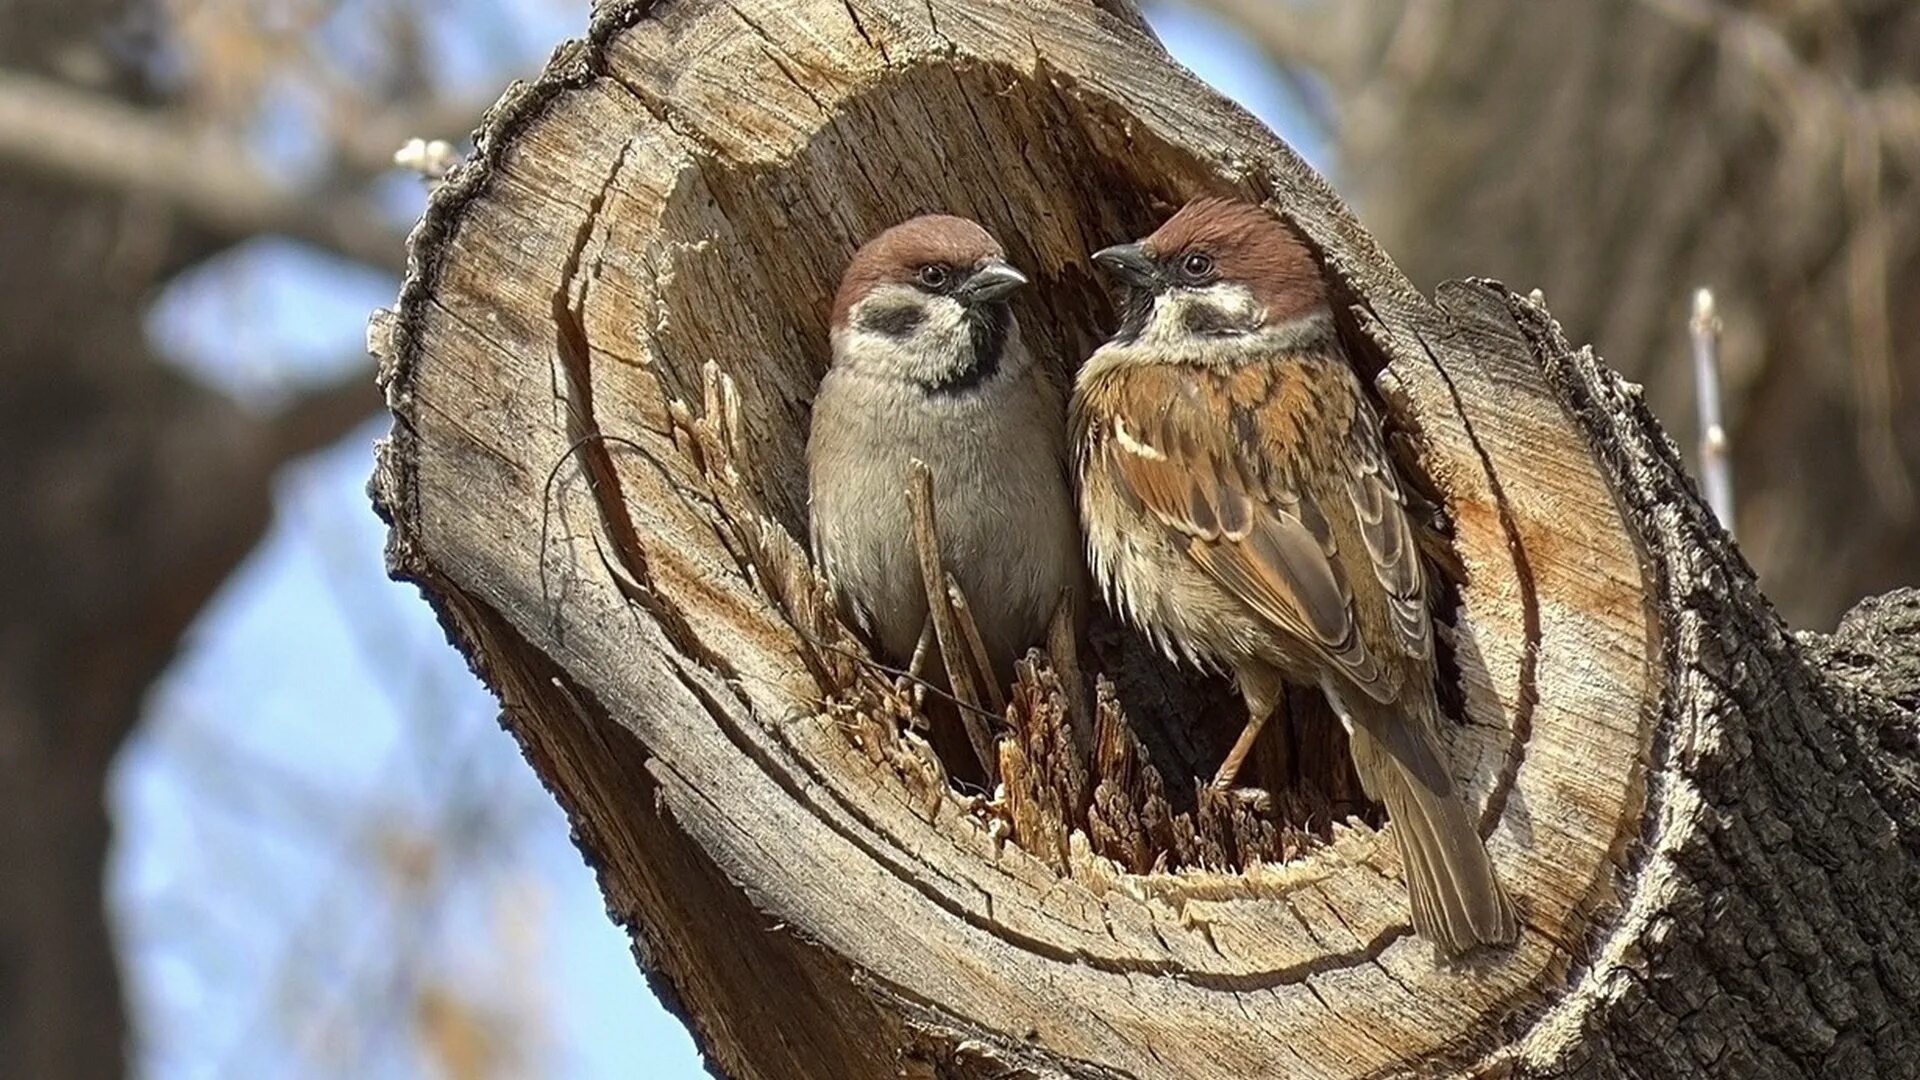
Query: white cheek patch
{"points": [[1216, 310], [1228, 308], [941, 331], [1237, 302]]}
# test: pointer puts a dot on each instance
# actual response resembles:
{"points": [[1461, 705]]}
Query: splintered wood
{"points": [[1056, 784], [1053, 764], [1054, 771]]}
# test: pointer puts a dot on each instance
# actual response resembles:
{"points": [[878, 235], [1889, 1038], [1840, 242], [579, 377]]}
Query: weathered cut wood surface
{"points": [[600, 369]]}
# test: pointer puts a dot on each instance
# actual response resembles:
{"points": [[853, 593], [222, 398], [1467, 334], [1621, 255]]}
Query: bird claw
{"points": [[914, 693], [1258, 800]]}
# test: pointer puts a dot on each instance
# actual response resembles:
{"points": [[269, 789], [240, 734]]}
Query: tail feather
{"points": [[1458, 903]]}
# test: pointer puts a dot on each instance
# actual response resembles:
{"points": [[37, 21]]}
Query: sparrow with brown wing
{"points": [[1240, 508], [928, 364]]}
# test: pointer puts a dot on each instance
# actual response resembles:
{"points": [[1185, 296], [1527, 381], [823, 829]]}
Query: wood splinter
{"points": [[1063, 652], [945, 615], [976, 646]]}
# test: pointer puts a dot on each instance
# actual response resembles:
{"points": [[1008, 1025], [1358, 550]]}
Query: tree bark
{"points": [[600, 367]]}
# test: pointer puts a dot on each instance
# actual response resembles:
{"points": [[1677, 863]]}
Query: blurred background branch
{"points": [[78, 139]]}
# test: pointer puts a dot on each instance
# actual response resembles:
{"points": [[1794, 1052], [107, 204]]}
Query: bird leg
{"points": [[922, 649], [1236, 757], [1261, 690], [914, 683]]}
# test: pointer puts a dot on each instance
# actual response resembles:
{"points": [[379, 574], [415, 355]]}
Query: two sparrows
{"points": [[1234, 492]]}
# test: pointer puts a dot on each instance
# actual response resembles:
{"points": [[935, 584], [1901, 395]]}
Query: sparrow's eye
{"points": [[934, 276], [1197, 265]]}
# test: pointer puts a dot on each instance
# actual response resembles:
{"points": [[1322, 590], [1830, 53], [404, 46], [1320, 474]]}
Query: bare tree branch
{"points": [[74, 136], [1716, 467]]}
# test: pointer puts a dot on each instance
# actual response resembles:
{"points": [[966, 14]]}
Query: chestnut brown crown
{"points": [[901, 254], [1245, 245]]}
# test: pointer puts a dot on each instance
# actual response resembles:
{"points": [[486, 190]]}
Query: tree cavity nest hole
{"points": [[744, 262]]}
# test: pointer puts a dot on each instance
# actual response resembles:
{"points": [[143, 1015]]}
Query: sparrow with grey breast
{"points": [[928, 363], [1240, 508]]}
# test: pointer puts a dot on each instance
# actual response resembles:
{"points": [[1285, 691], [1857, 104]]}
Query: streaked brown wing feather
{"points": [[1385, 529], [1247, 520], [1279, 572]]}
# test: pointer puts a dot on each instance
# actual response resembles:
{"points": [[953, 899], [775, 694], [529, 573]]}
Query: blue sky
{"points": [[319, 809]]}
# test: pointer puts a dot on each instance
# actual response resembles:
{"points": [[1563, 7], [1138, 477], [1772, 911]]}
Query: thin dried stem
{"points": [[976, 646], [1716, 458], [946, 629]]}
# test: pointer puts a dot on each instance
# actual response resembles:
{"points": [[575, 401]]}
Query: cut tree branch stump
{"points": [[600, 368]]}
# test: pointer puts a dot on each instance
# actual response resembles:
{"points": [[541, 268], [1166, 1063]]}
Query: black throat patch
{"points": [[987, 328], [1136, 307]]}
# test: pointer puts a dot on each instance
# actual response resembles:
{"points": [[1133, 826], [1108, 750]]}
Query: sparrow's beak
{"points": [[994, 280], [1129, 264]]}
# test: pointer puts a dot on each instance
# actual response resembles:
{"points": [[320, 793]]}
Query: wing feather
{"points": [[1380, 509], [1250, 522]]}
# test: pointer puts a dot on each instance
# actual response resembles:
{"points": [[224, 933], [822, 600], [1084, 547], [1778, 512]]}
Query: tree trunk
{"points": [[129, 494], [600, 368]]}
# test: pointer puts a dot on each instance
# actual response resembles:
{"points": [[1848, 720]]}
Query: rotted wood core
{"points": [[1114, 750], [1070, 752], [1135, 783], [1113, 789]]}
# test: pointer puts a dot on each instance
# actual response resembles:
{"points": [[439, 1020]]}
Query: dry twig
{"points": [[1716, 459], [946, 628]]}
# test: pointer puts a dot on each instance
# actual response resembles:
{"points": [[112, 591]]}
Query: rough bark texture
{"points": [[1772, 922], [600, 369]]}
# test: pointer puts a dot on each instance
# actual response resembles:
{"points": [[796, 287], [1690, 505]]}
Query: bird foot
{"points": [[914, 692], [1258, 800]]}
